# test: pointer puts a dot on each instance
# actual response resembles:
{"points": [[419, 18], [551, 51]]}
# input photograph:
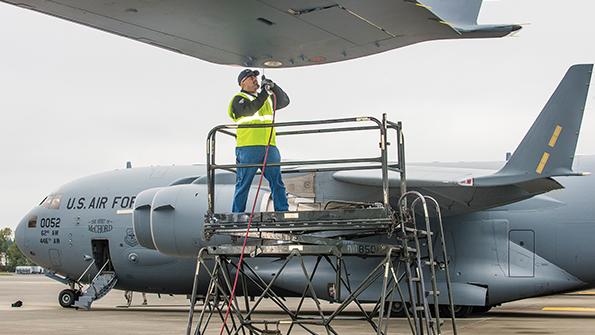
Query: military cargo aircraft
{"points": [[511, 233]]}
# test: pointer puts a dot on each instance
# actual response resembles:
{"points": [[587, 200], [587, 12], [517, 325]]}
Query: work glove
{"points": [[267, 82]]}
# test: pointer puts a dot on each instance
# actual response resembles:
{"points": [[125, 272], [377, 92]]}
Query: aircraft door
{"points": [[101, 254], [521, 253], [55, 258]]}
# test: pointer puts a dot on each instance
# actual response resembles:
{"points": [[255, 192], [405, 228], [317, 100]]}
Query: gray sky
{"points": [[76, 101]]}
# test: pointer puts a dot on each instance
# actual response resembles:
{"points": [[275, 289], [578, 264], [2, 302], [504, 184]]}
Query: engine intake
{"points": [[141, 217]]}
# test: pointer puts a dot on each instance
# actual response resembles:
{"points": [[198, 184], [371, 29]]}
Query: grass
{"points": [[6, 273]]}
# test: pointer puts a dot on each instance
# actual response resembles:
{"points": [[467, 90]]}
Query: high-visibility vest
{"points": [[253, 136]]}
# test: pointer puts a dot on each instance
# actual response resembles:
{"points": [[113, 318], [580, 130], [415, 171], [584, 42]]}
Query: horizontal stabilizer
{"points": [[453, 197]]}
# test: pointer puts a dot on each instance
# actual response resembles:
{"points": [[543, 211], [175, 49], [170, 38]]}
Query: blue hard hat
{"points": [[247, 73]]}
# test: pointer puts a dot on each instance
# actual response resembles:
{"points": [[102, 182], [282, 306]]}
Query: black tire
{"points": [[397, 309], [479, 310], [67, 297], [461, 311]]}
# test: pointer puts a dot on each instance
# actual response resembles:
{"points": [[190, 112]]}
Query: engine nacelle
{"points": [[141, 217], [171, 219], [177, 217]]}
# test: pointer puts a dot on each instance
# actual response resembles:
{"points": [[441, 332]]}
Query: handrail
{"points": [[100, 270], [86, 270], [381, 162], [294, 163], [436, 205]]}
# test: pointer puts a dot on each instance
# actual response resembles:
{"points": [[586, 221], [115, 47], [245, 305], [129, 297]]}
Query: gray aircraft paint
{"points": [[290, 32], [538, 246]]}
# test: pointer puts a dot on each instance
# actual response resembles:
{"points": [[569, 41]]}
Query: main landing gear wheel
{"points": [[67, 297], [461, 311], [479, 310], [397, 309]]}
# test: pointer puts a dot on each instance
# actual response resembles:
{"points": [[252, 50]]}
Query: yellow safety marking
{"points": [[555, 136], [542, 163], [568, 309], [584, 293], [422, 5]]}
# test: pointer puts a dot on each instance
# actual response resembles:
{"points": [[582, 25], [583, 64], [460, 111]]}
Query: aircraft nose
{"points": [[19, 234]]}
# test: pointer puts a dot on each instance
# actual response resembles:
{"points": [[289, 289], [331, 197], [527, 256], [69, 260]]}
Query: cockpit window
{"points": [[55, 204], [52, 201], [32, 222]]}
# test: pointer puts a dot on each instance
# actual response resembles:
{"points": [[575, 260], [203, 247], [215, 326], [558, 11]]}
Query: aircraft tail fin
{"points": [[548, 149]]}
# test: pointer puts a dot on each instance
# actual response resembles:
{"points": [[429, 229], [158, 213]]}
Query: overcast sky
{"points": [[76, 101]]}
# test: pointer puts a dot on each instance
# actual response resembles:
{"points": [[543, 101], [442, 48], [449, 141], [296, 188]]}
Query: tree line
{"points": [[10, 255]]}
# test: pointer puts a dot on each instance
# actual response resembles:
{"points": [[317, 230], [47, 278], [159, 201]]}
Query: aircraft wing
{"points": [[277, 33], [546, 151]]}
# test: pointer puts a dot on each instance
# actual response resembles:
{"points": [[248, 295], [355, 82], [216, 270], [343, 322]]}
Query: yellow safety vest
{"points": [[253, 136]]}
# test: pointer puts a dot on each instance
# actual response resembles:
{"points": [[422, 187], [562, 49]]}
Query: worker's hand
{"points": [[267, 82]]}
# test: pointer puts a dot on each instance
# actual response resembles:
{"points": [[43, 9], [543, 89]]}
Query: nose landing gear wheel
{"points": [[67, 297]]}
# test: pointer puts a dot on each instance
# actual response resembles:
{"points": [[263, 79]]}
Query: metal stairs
{"points": [[101, 284]]}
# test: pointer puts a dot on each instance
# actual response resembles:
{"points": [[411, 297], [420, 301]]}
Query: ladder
{"points": [[103, 282], [424, 261]]}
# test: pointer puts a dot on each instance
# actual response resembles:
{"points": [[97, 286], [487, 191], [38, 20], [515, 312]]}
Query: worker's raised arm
{"points": [[244, 107], [282, 98]]}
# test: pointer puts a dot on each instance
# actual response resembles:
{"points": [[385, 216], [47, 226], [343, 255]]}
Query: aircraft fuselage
{"points": [[535, 247]]}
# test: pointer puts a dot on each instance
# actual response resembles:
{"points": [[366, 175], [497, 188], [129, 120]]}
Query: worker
{"points": [[252, 107], [128, 297]]}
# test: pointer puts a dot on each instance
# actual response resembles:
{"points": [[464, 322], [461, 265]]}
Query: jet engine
{"points": [[177, 217], [170, 219], [141, 217]]}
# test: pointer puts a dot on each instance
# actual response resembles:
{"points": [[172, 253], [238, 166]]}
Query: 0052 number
{"points": [[49, 222]]}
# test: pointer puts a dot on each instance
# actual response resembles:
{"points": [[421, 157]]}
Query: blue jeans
{"points": [[244, 177]]}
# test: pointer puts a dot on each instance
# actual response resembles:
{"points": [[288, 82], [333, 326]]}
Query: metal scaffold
{"points": [[396, 243]]}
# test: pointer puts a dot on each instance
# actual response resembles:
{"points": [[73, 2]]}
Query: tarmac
{"points": [[41, 314]]}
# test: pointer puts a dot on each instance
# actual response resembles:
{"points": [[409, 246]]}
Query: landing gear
{"points": [[460, 311], [479, 310], [397, 309], [67, 297]]}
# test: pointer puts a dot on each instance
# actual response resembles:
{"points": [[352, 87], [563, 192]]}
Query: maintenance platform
{"points": [[404, 258]]}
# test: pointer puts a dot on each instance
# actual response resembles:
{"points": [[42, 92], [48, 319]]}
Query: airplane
{"points": [[516, 232], [506, 238]]}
